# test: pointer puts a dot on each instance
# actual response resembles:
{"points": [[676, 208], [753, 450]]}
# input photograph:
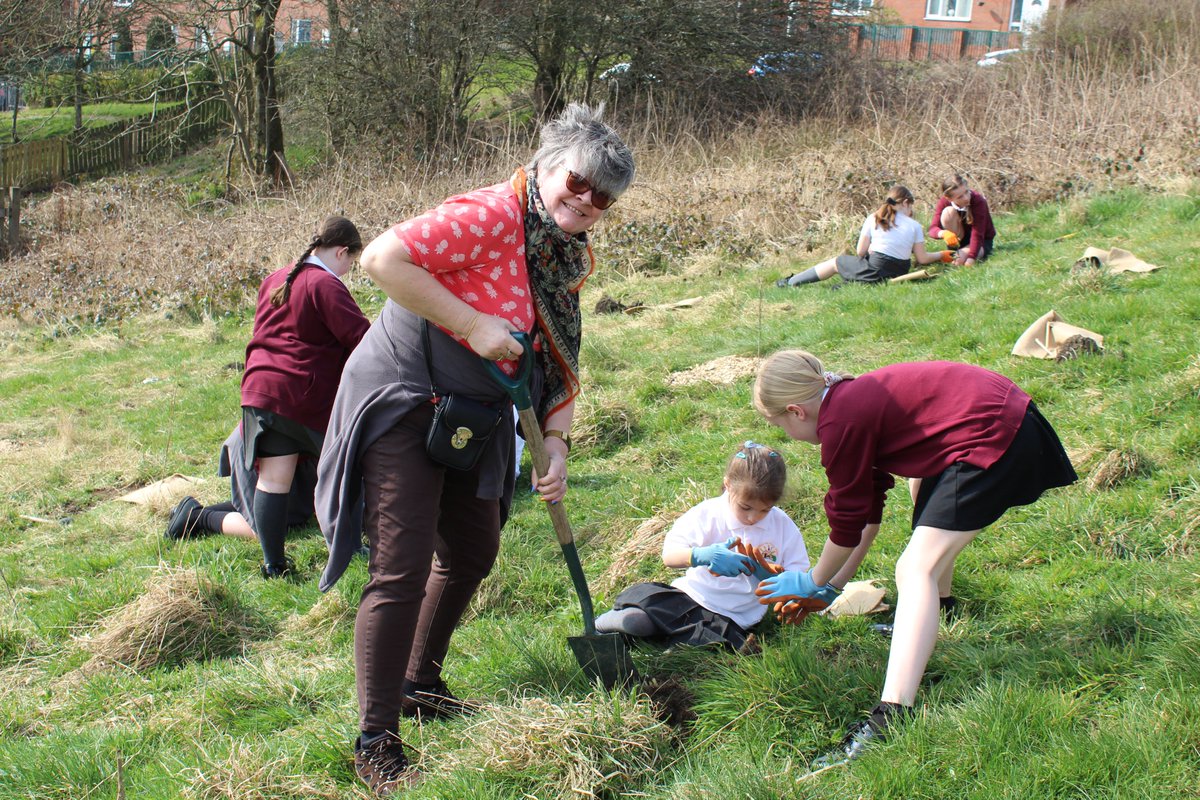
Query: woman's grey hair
{"points": [[578, 139]]}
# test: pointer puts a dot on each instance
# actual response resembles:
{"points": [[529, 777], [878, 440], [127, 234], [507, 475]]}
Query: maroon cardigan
{"points": [[912, 420], [982, 230], [295, 357]]}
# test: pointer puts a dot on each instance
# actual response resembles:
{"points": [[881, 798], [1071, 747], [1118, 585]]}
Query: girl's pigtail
{"points": [[281, 292], [885, 217]]}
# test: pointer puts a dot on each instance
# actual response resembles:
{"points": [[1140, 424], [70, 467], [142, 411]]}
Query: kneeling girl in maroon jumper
{"points": [[963, 220], [973, 437], [305, 327]]}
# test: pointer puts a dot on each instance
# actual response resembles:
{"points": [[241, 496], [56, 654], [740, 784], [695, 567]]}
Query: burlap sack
{"points": [[1047, 337]]}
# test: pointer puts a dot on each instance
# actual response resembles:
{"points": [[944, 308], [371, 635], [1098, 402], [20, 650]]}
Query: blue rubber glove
{"points": [[761, 572], [792, 584], [720, 560]]}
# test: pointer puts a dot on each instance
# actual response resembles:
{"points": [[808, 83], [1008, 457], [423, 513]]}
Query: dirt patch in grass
{"points": [[726, 370]]}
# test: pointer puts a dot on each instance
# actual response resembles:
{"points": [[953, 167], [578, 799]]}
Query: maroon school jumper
{"points": [[295, 357], [977, 233], [912, 420]]}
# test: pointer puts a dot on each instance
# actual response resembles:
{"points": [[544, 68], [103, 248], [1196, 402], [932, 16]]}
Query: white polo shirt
{"points": [[714, 521]]}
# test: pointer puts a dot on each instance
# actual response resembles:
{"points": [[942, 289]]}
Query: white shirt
{"points": [[714, 521], [312, 259], [898, 241]]}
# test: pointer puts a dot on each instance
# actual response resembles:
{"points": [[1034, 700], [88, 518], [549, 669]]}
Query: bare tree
{"points": [[403, 71], [237, 40]]}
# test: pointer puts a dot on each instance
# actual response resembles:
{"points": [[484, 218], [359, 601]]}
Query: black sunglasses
{"points": [[578, 184]]}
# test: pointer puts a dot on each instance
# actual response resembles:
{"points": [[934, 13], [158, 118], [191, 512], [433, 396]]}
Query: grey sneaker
{"points": [[384, 766]]}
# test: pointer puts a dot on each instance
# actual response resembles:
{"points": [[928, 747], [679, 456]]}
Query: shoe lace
{"points": [[387, 760]]}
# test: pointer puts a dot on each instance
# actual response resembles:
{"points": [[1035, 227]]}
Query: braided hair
{"points": [[335, 231]]}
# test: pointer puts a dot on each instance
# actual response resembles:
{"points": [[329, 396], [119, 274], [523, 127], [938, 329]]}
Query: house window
{"points": [[851, 8], [301, 31], [959, 10], [204, 39]]}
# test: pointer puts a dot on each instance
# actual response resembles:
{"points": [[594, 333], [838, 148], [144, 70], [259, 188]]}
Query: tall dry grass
{"points": [[1058, 122]]}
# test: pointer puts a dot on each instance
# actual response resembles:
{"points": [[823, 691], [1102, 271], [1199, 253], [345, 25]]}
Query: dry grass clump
{"points": [[726, 370], [1183, 513], [246, 773], [643, 543], [594, 747], [179, 617], [1116, 468], [601, 423], [329, 613]]}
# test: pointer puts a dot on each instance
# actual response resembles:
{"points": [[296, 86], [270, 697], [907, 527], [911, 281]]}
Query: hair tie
{"points": [[752, 445], [831, 378], [891, 201]]}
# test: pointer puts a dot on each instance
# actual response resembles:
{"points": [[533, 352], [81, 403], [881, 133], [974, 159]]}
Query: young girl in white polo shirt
{"points": [[889, 239], [713, 602]]}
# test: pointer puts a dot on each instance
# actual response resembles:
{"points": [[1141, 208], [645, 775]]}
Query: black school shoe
{"points": [[433, 701], [862, 734], [384, 767], [783, 283], [179, 526], [281, 569]]}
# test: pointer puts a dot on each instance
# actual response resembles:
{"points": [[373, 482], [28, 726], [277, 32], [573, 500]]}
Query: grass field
{"points": [[135, 667], [46, 123]]}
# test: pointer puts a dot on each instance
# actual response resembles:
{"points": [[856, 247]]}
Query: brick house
{"points": [[298, 22], [980, 15]]}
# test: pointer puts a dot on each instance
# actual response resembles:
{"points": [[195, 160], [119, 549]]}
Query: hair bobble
{"points": [[752, 445], [831, 378]]}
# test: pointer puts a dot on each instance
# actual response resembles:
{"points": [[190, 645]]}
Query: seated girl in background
{"points": [[963, 220], [714, 602], [889, 239]]}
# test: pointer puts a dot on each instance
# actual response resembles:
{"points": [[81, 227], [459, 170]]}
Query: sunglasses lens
{"points": [[580, 185]]}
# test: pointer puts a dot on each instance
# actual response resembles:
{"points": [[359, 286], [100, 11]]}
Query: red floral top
{"points": [[474, 245]]}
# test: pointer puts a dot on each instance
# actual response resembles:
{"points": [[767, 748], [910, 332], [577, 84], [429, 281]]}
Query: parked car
{"points": [[772, 63], [623, 71], [997, 56]]}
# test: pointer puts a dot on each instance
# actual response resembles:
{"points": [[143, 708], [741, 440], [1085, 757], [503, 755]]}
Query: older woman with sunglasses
{"points": [[461, 280]]}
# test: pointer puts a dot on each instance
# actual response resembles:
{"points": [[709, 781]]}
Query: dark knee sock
{"points": [[368, 738], [270, 523], [210, 518], [632, 621], [808, 276]]}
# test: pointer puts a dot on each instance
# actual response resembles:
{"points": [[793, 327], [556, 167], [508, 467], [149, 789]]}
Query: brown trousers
{"points": [[418, 513]]}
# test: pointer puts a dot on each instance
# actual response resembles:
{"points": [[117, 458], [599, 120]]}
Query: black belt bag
{"points": [[461, 426]]}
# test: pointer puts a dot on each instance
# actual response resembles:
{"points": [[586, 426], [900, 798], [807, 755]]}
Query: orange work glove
{"points": [[950, 239], [947, 256]]}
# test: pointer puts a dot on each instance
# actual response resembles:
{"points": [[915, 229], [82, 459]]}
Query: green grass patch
{"points": [[47, 123], [1070, 673]]}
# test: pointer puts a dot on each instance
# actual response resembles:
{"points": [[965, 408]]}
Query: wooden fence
{"points": [[916, 43], [122, 145]]}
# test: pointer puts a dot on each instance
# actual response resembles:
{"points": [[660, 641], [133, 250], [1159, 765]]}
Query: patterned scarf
{"points": [[559, 264]]}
